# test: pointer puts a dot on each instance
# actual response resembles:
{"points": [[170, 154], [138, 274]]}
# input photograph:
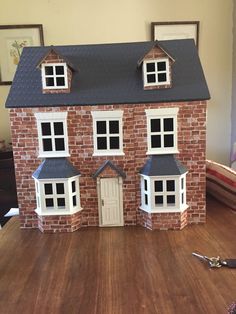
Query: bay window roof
{"points": [[55, 168], [163, 165]]}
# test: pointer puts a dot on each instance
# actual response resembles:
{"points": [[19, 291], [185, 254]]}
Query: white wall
{"points": [[90, 21]]}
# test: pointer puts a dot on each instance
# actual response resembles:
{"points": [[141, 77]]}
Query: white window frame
{"points": [[151, 193], [162, 113], [68, 195], [51, 117], [54, 75], [116, 115], [156, 72]]}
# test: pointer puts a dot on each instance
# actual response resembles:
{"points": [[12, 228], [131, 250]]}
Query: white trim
{"points": [[121, 209], [53, 154], [109, 153], [161, 211], [52, 117], [161, 114], [41, 197], [56, 115], [57, 213], [108, 116], [156, 72], [151, 193], [54, 76]]}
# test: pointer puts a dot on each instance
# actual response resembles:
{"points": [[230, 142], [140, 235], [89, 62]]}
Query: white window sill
{"points": [[53, 155], [110, 153], [57, 212], [164, 210], [162, 152]]}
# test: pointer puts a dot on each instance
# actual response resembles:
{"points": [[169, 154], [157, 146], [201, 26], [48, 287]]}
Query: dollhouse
{"points": [[110, 135]]}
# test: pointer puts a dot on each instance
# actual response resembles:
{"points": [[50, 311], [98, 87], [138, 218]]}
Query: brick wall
{"points": [[191, 144]]}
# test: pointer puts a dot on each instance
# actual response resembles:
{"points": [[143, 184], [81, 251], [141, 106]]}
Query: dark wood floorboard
{"points": [[118, 270]]}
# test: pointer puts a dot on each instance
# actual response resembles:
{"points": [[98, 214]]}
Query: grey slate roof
{"points": [[55, 168], [110, 164], [163, 165], [108, 74]]}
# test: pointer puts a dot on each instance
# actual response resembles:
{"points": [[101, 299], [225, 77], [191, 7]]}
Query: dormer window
{"points": [[156, 67], [156, 72], [54, 76]]}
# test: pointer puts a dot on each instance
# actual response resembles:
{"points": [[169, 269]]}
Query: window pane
{"points": [[158, 200], [47, 145], [46, 128], [169, 124], [58, 128], [162, 77], [61, 202], [60, 188], [60, 81], [151, 78], [169, 140], [74, 201], [49, 81], [182, 198], [146, 199], [182, 183], [73, 186], [170, 185], [158, 186], [48, 188], [113, 127], [171, 200], [155, 141], [161, 66], [155, 125], [48, 70], [49, 202], [101, 127], [114, 142], [150, 67], [102, 143], [145, 185], [59, 70], [59, 144]]}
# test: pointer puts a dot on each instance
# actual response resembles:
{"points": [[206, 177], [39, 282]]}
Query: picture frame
{"points": [[13, 38], [175, 30]]}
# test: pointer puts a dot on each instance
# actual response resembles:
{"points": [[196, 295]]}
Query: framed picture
{"points": [[175, 30], [13, 38]]}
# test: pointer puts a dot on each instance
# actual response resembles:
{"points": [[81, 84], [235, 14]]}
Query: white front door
{"points": [[111, 209]]}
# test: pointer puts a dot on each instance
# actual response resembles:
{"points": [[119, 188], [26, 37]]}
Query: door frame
{"points": [[120, 186]]}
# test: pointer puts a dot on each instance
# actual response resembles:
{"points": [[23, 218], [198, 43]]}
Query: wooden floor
{"points": [[118, 270]]}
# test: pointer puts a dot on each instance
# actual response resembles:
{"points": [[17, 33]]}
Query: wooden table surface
{"points": [[118, 270]]}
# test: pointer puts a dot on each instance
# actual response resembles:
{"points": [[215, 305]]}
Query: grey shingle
{"points": [[163, 165], [55, 168], [110, 164], [108, 74]]}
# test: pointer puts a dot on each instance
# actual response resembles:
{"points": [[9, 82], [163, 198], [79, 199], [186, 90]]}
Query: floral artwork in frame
{"points": [[13, 38]]}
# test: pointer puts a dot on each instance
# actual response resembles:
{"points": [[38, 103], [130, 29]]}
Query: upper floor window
{"points": [[52, 134], [54, 76], [156, 72], [108, 132], [162, 130]]}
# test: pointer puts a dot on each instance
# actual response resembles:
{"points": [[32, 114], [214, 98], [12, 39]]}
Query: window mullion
{"points": [[108, 134]]}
